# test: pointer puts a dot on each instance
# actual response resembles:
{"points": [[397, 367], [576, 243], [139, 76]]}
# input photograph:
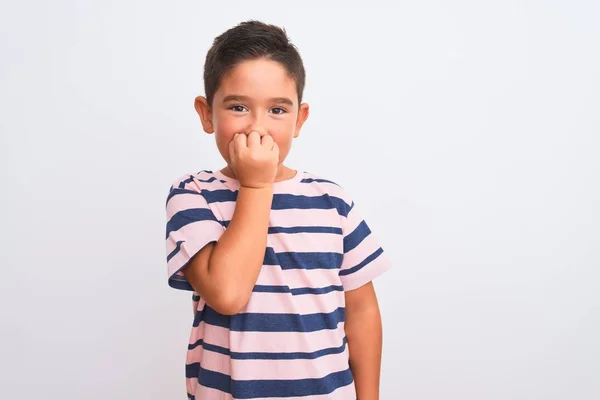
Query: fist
{"points": [[254, 159]]}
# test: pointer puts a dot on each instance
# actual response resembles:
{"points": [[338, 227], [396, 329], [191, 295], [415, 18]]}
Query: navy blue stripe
{"points": [[249, 389], [324, 202], [362, 264], [185, 182], [210, 347], [184, 217], [306, 229], [260, 322], [271, 289], [219, 195], [180, 284], [176, 250], [357, 236], [211, 317], [270, 356], [207, 378], [296, 291], [306, 260], [281, 201], [284, 201], [177, 191], [307, 290], [209, 180], [310, 180], [298, 229]]}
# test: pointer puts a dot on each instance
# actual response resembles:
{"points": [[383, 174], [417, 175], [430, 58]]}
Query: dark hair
{"points": [[251, 40]]}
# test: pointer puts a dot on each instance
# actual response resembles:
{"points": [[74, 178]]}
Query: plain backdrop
{"points": [[467, 132]]}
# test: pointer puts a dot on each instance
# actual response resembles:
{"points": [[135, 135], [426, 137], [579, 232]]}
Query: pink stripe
{"points": [[280, 242], [320, 188], [201, 232], [355, 256], [286, 303], [288, 218], [216, 335], [270, 369], [295, 218], [352, 221], [368, 273], [306, 242], [194, 232], [287, 342], [185, 201]]}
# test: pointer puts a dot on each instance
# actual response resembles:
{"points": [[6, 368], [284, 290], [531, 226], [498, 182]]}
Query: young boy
{"points": [[280, 260]]}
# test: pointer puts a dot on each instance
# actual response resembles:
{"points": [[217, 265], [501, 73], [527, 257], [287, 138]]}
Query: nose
{"points": [[257, 124]]}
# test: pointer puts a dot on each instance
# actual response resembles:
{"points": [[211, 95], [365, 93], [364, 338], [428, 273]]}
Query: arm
{"points": [[364, 333], [224, 273]]}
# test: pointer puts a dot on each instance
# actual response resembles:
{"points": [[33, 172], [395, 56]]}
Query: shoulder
{"points": [[328, 186], [202, 187], [196, 181]]}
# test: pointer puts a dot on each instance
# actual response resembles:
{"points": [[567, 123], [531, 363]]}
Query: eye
{"points": [[278, 110], [237, 108]]}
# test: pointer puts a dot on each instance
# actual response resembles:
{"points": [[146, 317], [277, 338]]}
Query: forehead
{"points": [[258, 79]]}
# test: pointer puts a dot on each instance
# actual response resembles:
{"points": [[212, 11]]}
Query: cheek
{"points": [[225, 128], [226, 125]]}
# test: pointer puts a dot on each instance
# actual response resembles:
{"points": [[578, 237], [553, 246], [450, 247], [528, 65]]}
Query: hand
{"points": [[254, 159]]}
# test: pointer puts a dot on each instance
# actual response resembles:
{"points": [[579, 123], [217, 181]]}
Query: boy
{"points": [[280, 261]]}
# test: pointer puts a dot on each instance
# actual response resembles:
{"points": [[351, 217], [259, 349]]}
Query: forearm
{"points": [[364, 333], [224, 273], [238, 256]]}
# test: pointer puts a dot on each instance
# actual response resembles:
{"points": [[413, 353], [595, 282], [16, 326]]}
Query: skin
{"points": [[255, 116]]}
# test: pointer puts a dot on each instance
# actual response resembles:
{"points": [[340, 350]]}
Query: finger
{"points": [[253, 139], [241, 140], [267, 142], [275, 148]]}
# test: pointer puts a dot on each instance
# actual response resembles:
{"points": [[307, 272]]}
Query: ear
{"points": [[303, 113], [203, 109]]}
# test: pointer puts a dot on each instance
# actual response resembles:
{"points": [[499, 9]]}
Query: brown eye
{"points": [[278, 110], [237, 108]]}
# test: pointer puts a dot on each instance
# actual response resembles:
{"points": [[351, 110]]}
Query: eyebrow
{"points": [[237, 97]]}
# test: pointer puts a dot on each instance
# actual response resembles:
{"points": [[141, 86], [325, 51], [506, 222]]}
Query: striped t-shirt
{"points": [[289, 340]]}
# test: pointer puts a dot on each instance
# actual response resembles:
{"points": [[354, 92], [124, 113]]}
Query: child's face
{"points": [[255, 95]]}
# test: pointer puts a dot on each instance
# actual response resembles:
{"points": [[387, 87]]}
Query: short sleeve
{"points": [[364, 259], [191, 225]]}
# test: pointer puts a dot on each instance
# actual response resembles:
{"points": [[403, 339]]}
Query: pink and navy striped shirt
{"points": [[289, 340]]}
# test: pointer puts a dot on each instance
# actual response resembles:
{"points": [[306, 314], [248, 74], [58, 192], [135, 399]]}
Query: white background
{"points": [[467, 132]]}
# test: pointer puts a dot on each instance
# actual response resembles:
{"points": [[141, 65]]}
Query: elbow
{"points": [[228, 309], [228, 304]]}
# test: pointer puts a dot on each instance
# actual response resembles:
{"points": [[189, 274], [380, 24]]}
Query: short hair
{"points": [[251, 40]]}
